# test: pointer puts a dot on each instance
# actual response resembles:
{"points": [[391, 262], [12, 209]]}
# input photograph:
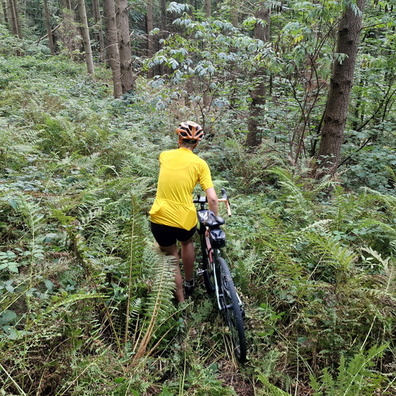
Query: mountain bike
{"points": [[216, 273]]}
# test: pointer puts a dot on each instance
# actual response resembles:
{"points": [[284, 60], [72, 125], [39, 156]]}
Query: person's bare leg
{"points": [[188, 258], [172, 251]]}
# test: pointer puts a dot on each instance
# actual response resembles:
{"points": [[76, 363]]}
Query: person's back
{"points": [[173, 215], [180, 171]]}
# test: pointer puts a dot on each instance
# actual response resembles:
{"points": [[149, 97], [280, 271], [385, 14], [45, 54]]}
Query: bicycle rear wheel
{"points": [[232, 310]]}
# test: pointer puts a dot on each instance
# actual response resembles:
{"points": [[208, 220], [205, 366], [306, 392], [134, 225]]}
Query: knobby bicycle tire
{"points": [[232, 310], [207, 268]]}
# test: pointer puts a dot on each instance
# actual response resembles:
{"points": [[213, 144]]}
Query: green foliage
{"points": [[322, 291], [378, 161], [209, 67], [86, 303], [11, 46], [353, 378], [210, 57], [269, 389]]}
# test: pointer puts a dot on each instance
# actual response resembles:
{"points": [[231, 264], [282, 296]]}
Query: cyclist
{"points": [[173, 215]]}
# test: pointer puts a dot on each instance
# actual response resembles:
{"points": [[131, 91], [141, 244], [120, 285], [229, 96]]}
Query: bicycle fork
{"points": [[220, 293]]}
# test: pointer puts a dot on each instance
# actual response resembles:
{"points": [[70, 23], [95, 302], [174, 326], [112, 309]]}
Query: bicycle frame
{"points": [[213, 253], [216, 273]]}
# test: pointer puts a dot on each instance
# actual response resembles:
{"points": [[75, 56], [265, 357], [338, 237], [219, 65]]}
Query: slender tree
{"points": [[124, 43], [98, 28], [208, 8], [15, 23], [164, 21], [235, 12], [86, 37], [149, 28], [4, 8], [164, 30], [258, 93], [193, 6], [68, 32], [112, 51], [341, 83], [66, 4], [49, 29]]}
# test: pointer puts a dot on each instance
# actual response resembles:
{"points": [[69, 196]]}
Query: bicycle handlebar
{"points": [[202, 200]]}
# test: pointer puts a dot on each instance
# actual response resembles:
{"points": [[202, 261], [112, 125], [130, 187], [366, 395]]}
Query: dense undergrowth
{"points": [[86, 301]]}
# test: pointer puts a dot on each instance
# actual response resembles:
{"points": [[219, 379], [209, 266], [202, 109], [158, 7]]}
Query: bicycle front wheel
{"points": [[207, 268], [232, 309]]}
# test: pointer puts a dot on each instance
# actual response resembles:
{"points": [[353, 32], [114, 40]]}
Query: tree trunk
{"points": [[49, 30], [234, 13], [66, 4], [113, 55], [4, 5], [208, 8], [68, 33], [258, 93], [14, 18], [164, 30], [124, 42], [257, 96], [99, 30], [86, 38], [150, 38], [164, 22], [262, 30], [193, 7], [341, 83]]}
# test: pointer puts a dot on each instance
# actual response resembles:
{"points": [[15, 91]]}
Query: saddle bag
{"points": [[217, 238]]}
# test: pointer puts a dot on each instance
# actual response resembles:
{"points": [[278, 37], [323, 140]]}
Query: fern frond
{"points": [[29, 210], [270, 389], [354, 377], [92, 210], [158, 302], [295, 193], [330, 250], [72, 299], [135, 255], [318, 226], [388, 199], [388, 278], [384, 262]]}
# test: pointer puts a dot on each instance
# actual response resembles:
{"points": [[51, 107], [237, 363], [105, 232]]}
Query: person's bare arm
{"points": [[212, 200]]}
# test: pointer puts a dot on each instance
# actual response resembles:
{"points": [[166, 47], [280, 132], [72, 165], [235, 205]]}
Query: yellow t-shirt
{"points": [[180, 171]]}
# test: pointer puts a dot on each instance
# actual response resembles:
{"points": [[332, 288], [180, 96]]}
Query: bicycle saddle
{"points": [[209, 219]]}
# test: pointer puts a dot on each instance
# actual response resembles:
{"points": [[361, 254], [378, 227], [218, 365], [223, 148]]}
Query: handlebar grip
{"points": [[228, 207], [225, 199]]}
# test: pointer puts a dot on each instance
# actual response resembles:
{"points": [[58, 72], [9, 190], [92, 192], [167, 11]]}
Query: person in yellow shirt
{"points": [[173, 215]]}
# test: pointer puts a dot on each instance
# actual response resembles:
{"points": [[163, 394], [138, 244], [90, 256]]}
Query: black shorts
{"points": [[167, 235]]}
